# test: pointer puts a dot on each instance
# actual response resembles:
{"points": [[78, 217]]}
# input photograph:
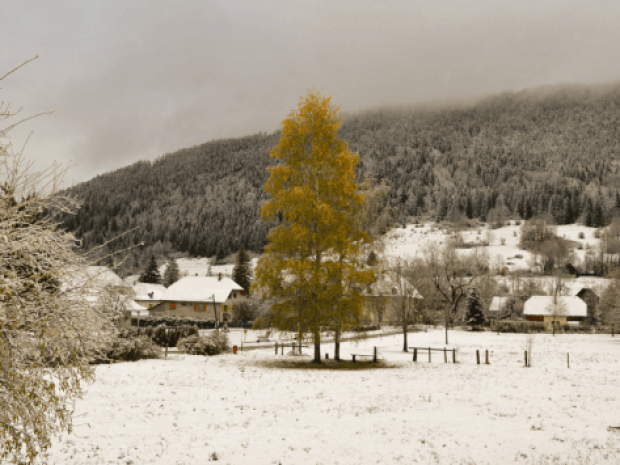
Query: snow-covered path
{"points": [[250, 409]]}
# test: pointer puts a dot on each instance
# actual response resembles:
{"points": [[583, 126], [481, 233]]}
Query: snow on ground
{"points": [[200, 267], [412, 240], [255, 408]]}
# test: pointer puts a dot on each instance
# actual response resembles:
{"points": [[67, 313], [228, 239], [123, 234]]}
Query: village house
{"points": [[566, 310], [497, 310], [381, 297], [199, 297], [148, 295]]}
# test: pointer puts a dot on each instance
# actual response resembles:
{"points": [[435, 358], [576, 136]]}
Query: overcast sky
{"points": [[133, 80]]}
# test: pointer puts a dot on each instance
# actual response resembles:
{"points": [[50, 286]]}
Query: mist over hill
{"points": [[551, 149]]}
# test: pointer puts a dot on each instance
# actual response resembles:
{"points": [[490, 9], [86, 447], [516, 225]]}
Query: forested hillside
{"points": [[554, 149]]}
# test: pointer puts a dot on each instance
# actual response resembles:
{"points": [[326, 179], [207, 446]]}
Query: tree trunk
{"points": [[337, 344], [405, 348], [317, 346], [446, 325]]}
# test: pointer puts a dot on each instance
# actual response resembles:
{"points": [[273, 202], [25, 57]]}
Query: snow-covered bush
{"points": [[213, 344], [131, 348], [50, 330]]}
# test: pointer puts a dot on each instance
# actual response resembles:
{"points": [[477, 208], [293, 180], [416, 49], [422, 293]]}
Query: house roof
{"points": [[544, 306], [385, 284], [498, 304], [104, 276], [142, 291], [201, 289]]}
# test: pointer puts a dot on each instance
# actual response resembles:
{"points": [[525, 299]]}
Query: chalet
{"points": [[566, 310], [381, 296], [204, 297], [498, 309], [147, 294]]}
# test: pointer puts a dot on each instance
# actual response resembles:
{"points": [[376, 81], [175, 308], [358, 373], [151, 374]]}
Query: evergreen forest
{"points": [[513, 155]]}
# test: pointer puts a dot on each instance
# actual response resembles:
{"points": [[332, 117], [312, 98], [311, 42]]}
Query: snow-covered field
{"points": [[256, 408], [412, 240]]}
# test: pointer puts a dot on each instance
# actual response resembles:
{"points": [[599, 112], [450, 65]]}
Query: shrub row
{"points": [[520, 327], [171, 321]]}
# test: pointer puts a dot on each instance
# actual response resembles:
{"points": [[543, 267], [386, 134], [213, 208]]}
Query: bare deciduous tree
{"points": [[453, 276]]}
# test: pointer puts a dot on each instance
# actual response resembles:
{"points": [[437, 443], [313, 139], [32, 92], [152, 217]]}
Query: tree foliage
{"points": [[311, 265], [172, 273], [151, 274], [474, 315], [242, 271]]}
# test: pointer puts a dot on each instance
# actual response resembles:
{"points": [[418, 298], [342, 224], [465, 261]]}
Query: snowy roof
{"points": [[147, 291], [543, 306], [136, 309], [498, 304], [201, 289], [385, 285]]}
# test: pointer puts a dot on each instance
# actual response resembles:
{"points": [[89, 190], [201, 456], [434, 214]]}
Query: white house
{"points": [[204, 297], [565, 310]]}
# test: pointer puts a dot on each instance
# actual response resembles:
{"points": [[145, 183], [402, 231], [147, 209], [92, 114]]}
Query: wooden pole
{"points": [[525, 357], [477, 357], [276, 348], [453, 355], [568, 359], [486, 356], [445, 356], [415, 354], [374, 357], [429, 355]]}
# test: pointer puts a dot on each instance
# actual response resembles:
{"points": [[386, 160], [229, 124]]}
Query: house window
{"points": [[173, 306]]}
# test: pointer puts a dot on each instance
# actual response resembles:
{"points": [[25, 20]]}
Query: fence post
{"points": [[525, 358], [374, 357], [568, 359], [415, 354], [282, 348], [612, 330], [429, 355], [486, 356], [445, 356], [276, 348], [453, 355], [477, 357]]}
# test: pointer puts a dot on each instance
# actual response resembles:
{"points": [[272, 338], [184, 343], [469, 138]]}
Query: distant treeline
{"points": [[553, 149]]}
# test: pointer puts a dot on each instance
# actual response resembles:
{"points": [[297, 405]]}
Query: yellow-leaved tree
{"points": [[312, 267]]}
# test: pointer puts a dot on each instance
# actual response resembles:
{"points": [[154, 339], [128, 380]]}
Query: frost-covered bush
{"points": [[131, 348], [213, 344], [50, 329]]}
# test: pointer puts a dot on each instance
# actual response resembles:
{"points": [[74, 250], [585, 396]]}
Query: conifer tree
{"points": [[172, 273], [372, 258], [311, 264], [242, 272], [151, 274], [474, 315]]}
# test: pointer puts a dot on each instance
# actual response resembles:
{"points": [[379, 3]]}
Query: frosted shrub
{"points": [[213, 344], [132, 348]]}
